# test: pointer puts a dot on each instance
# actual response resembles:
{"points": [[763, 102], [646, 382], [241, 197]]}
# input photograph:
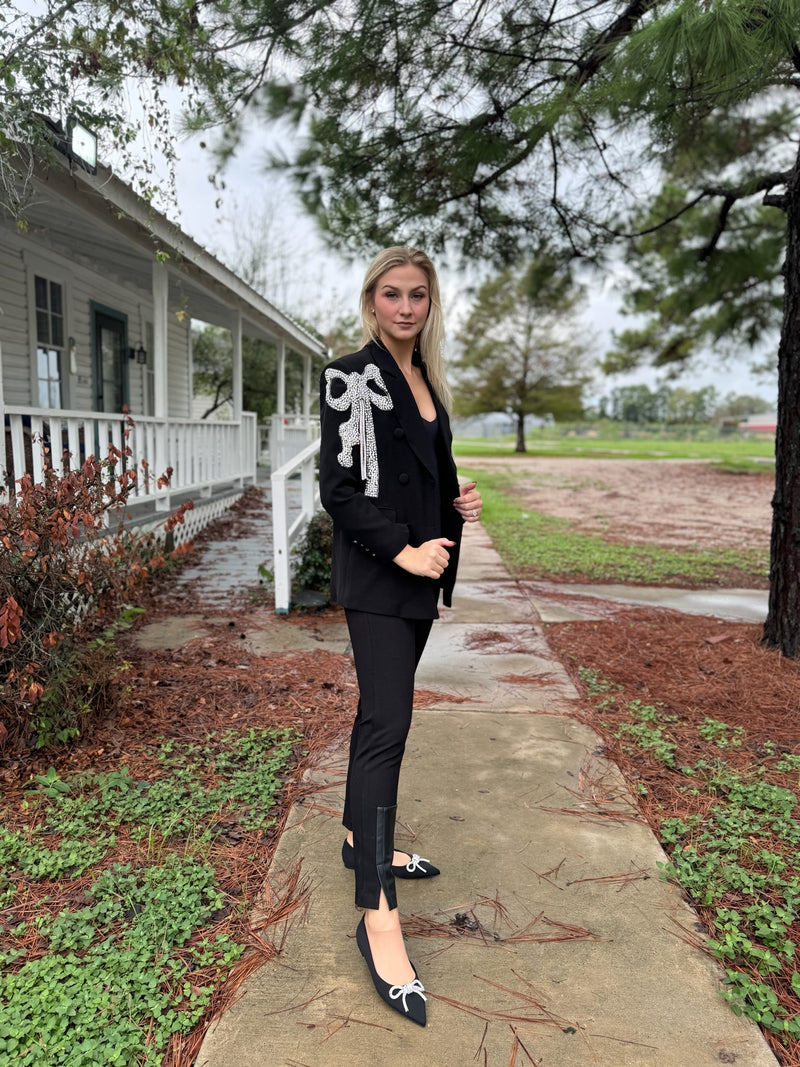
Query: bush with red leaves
{"points": [[64, 576]]}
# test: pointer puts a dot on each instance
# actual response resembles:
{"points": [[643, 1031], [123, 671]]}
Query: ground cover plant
{"points": [[110, 898], [703, 722], [535, 546], [132, 862]]}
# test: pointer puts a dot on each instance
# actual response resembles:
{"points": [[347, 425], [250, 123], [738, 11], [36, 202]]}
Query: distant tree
{"points": [[260, 378], [212, 357], [213, 366], [522, 347], [635, 403], [341, 336], [733, 405], [676, 404], [690, 406], [264, 254]]}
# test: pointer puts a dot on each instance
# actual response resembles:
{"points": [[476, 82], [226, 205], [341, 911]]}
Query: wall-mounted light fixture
{"points": [[139, 354], [82, 144]]}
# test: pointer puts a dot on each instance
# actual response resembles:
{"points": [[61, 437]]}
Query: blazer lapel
{"points": [[405, 406]]}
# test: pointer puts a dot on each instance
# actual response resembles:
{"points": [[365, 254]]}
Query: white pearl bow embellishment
{"points": [[403, 991], [415, 862], [358, 397]]}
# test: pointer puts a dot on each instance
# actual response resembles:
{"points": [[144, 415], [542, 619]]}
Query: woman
{"points": [[388, 480]]}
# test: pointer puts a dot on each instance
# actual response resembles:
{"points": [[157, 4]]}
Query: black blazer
{"points": [[385, 484]]}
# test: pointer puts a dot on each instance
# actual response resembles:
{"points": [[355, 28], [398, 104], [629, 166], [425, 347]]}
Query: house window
{"points": [[49, 341]]}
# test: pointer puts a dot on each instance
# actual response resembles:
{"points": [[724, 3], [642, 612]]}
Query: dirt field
{"points": [[674, 503]]}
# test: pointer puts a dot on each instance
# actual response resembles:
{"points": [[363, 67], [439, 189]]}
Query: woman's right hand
{"points": [[428, 560]]}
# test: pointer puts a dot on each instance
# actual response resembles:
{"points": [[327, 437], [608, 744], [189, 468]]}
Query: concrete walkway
{"points": [[549, 938]]}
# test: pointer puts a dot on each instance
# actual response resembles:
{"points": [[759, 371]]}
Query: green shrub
{"points": [[313, 569]]}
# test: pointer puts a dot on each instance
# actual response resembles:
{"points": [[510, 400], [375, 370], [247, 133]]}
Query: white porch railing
{"points": [[288, 435], [288, 523], [200, 454]]}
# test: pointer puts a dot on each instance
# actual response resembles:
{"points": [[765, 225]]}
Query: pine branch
{"points": [[554, 200], [762, 184], [619, 29], [586, 69], [768, 181], [722, 218], [664, 222]]}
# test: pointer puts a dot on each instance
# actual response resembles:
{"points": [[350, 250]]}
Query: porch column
{"points": [[236, 342], [161, 459], [281, 379], [160, 344], [306, 387], [2, 396], [236, 357]]}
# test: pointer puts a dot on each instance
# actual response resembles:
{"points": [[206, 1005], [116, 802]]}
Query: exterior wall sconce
{"points": [[82, 144], [139, 354]]}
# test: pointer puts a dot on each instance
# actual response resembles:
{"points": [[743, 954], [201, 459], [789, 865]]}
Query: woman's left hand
{"points": [[468, 503]]}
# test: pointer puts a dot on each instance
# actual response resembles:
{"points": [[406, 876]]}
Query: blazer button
{"points": [[403, 478], [399, 433]]}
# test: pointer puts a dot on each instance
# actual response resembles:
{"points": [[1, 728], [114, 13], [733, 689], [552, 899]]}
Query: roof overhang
{"points": [[98, 221]]}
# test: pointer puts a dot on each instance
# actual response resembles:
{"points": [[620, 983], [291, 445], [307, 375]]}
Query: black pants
{"points": [[386, 651]]}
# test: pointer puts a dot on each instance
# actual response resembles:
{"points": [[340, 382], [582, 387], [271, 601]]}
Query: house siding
{"points": [[19, 260], [178, 386], [14, 326]]}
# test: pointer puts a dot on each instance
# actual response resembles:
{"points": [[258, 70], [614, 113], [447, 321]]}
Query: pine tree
{"points": [[489, 128]]}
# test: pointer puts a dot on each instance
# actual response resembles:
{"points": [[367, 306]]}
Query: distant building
{"points": [[496, 424], [763, 423]]}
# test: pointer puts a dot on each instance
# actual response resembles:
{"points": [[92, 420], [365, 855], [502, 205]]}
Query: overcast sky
{"points": [[317, 275]]}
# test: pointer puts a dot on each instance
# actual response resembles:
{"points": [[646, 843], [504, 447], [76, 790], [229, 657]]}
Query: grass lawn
{"points": [[538, 546], [738, 452]]}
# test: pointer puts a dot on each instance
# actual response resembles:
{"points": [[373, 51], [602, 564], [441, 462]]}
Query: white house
{"points": [[97, 294]]}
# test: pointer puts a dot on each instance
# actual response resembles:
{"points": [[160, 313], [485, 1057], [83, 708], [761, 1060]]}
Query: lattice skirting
{"points": [[194, 521]]}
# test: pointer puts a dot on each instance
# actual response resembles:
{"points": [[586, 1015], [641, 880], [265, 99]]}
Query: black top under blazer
{"points": [[386, 484]]}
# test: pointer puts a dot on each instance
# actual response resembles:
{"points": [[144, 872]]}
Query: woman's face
{"points": [[402, 301]]}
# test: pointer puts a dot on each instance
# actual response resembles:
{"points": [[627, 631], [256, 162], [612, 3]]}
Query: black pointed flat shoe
{"points": [[408, 1000], [417, 867]]}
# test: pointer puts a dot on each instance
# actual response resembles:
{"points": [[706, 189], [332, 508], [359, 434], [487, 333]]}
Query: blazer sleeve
{"points": [[341, 490]]}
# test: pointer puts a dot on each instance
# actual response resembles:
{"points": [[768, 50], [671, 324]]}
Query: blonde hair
{"points": [[431, 337]]}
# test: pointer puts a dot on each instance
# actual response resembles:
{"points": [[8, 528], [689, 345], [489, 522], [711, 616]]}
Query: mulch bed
{"points": [[693, 667]]}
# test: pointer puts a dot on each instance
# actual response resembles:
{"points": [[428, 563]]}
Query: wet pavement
{"points": [[741, 605], [228, 565], [549, 937]]}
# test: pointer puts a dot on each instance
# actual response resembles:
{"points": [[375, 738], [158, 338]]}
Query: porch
{"points": [[98, 295], [203, 459]]}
